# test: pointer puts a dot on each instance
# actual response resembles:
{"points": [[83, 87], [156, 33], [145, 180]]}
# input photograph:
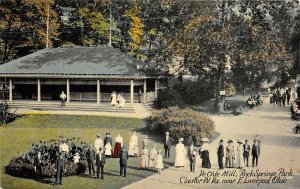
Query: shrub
{"points": [[185, 123], [23, 166]]}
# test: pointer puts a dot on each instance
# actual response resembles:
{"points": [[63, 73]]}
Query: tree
{"points": [[24, 24], [136, 29], [97, 30]]}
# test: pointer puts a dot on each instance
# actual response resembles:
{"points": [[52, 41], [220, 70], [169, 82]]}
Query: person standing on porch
{"points": [[62, 97], [113, 99]]}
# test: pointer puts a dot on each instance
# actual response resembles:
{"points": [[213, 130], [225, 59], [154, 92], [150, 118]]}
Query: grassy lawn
{"points": [[17, 137]]}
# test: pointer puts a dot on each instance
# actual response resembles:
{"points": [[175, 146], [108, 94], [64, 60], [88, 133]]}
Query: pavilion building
{"points": [[83, 73]]}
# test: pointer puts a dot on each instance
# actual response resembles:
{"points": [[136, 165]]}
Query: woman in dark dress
{"points": [[204, 154]]}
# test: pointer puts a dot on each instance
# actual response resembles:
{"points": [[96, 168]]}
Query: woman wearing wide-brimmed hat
{"points": [[180, 159], [230, 154], [239, 155], [204, 151]]}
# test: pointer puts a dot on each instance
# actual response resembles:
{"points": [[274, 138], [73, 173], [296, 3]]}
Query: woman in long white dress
{"points": [[152, 157], [239, 155], [180, 159], [113, 98], [133, 145], [122, 101]]}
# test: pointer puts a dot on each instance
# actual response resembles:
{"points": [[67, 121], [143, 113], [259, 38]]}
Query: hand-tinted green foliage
{"points": [[25, 166], [186, 123]]}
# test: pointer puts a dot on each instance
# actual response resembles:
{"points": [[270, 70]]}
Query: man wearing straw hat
{"points": [[167, 144]]}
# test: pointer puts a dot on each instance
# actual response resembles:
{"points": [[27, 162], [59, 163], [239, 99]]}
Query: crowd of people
{"points": [[281, 96], [235, 156], [253, 101], [96, 155]]}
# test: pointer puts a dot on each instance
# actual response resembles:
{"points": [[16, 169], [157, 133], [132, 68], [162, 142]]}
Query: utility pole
{"points": [[47, 23], [110, 23]]}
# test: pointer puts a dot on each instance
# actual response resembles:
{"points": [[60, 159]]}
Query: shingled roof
{"points": [[74, 60]]}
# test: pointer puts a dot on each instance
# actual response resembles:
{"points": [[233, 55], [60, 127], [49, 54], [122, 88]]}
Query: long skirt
{"points": [[144, 161], [205, 160], [117, 150], [229, 161]]}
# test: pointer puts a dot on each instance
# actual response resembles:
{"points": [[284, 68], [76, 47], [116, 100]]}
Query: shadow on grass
{"points": [[44, 181]]}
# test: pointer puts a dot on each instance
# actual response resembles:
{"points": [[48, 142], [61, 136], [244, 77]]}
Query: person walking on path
{"points": [[123, 161], [239, 155], [192, 156], [167, 144], [100, 162], [62, 97], [220, 153], [246, 153], [255, 153], [60, 167], [91, 158]]}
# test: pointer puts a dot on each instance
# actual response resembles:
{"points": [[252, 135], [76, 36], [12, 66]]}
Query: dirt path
{"points": [[279, 149]]}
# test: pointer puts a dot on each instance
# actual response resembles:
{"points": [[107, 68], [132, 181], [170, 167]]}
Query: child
{"points": [[159, 162]]}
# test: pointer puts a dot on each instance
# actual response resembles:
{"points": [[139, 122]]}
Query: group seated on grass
{"points": [[295, 111], [255, 101]]}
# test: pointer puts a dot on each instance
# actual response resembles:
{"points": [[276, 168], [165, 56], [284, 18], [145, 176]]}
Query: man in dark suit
{"points": [[167, 144], [220, 153], [255, 153], [246, 153], [91, 158], [192, 156], [100, 162], [60, 167], [123, 161]]}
